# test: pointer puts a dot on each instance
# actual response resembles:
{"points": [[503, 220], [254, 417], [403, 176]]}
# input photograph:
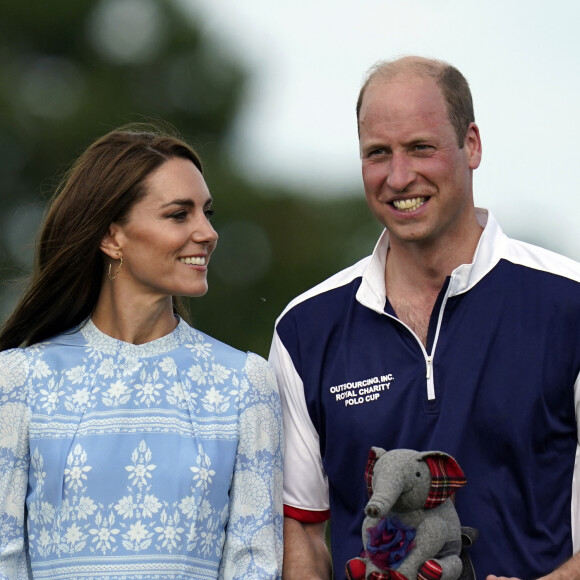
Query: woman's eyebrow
{"points": [[184, 202]]}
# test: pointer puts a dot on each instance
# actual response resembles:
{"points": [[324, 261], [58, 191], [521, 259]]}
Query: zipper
{"points": [[429, 357], [429, 377]]}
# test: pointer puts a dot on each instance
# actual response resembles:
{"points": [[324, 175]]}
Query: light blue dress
{"points": [[160, 460]]}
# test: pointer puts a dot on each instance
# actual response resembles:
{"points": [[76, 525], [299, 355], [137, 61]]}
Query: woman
{"points": [[132, 445]]}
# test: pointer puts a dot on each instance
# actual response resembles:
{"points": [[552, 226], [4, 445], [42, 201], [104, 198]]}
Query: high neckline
{"points": [[109, 345]]}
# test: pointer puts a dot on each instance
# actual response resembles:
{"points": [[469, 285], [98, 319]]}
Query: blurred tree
{"points": [[71, 71]]}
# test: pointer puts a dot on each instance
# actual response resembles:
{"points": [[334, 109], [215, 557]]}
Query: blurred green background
{"points": [[70, 71]]}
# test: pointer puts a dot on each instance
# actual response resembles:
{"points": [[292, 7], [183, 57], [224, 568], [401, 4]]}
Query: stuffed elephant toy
{"points": [[411, 529]]}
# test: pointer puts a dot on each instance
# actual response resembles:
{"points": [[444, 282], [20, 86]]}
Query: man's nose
{"points": [[400, 172]]}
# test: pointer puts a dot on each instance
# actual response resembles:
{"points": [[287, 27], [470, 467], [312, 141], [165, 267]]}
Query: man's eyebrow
{"points": [[420, 139], [377, 144]]}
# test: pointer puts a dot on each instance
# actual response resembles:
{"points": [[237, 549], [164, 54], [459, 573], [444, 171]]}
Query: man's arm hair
{"points": [[306, 555]]}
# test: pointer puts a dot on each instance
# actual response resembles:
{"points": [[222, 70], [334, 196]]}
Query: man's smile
{"points": [[409, 204]]}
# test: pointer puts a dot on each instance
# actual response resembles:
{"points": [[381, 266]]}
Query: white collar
{"points": [[372, 293]]}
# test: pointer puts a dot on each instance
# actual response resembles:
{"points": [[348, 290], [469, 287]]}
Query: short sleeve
{"points": [[305, 481]]}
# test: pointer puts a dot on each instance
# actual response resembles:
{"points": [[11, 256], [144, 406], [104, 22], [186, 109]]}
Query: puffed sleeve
{"points": [[14, 462], [253, 546]]}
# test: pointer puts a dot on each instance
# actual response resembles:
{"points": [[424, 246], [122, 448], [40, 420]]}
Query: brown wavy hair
{"points": [[100, 188]]}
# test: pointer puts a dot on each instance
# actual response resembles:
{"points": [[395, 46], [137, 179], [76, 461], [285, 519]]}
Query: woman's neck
{"points": [[132, 321]]}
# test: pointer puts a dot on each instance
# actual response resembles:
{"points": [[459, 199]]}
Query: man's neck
{"points": [[414, 276], [427, 264]]}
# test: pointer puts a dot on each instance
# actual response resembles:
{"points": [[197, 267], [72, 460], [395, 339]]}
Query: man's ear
{"points": [[111, 242], [472, 145]]}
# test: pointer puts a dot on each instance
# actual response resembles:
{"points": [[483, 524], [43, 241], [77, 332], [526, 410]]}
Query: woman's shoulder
{"points": [[261, 374], [225, 353], [21, 359], [15, 365], [13, 358], [208, 346]]}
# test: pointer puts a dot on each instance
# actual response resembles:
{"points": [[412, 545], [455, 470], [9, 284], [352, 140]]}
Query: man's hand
{"points": [[568, 571]]}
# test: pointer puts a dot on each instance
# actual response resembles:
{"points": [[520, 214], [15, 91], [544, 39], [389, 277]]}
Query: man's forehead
{"points": [[407, 94], [405, 109], [408, 81]]}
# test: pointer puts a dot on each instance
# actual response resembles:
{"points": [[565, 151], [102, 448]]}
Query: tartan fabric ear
{"points": [[446, 477], [370, 469]]}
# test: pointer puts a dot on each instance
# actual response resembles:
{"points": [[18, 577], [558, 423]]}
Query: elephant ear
{"points": [[446, 477], [374, 454]]}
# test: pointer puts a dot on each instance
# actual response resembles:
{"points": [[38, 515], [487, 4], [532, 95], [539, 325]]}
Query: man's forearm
{"points": [[306, 556], [568, 571]]}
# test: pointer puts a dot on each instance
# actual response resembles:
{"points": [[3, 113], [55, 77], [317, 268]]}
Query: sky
{"points": [[308, 58]]}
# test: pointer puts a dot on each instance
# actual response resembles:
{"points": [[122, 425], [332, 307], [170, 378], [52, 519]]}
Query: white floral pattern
{"points": [[160, 460]]}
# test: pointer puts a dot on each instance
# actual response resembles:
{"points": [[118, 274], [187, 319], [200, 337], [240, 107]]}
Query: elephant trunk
{"points": [[373, 509], [383, 501]]}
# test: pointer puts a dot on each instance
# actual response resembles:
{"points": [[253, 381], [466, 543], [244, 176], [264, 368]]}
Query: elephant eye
{"points": [[418, 474]]}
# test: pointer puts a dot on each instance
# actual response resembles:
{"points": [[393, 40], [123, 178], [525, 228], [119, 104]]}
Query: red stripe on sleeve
{"points": [[306, 516]]}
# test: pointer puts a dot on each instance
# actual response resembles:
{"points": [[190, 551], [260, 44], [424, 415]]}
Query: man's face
{"points": [[417, 180]]}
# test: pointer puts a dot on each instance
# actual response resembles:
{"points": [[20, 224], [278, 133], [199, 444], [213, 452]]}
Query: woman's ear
{"points": [[110, 244]]}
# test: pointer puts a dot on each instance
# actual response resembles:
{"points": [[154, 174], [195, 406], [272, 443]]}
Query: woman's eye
{"points": [[209, 212], [178, 216]]}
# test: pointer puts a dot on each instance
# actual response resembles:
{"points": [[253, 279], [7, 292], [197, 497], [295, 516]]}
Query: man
{"points": [[450, 337]]}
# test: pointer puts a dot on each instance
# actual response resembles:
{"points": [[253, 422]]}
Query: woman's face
{"points": [[167, 240]]}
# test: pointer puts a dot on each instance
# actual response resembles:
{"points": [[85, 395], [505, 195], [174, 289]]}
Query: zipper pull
{"points": [[429, 377], [429, 363]]}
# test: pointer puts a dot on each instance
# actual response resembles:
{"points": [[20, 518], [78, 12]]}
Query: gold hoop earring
{"points": [[118, 270]]}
